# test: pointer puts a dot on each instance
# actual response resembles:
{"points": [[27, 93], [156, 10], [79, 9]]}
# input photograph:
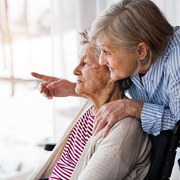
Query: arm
{"points": [[113, 158], [55, 87], [156, 118]]}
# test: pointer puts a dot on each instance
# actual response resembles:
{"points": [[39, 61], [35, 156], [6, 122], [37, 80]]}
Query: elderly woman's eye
{"points": [[85, 63]]}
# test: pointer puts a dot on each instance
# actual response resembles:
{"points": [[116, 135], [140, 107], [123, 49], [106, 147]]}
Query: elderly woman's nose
{"points": [[76, 70]]}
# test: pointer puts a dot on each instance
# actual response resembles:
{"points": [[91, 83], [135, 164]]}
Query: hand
{"points": [[115, 111], [55, 87]]}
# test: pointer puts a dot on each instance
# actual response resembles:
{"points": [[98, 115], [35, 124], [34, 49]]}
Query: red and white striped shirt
{"points": [[74, 147]]}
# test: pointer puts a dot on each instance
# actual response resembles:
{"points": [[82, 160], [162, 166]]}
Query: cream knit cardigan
{"points": [[123, 155]]}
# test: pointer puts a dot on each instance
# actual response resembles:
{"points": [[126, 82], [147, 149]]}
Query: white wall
{"points": [[170, 8]]}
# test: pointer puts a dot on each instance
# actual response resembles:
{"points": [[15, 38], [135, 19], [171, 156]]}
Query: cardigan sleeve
{"points": [[123, 154]]}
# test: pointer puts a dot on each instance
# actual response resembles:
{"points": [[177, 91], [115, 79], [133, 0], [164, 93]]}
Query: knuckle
{"points": [[111, 121], [43, 84], [54, 83], [98, 120], [105, 108], [107, 129], [113, 118], [101, 123], [109, 125]]}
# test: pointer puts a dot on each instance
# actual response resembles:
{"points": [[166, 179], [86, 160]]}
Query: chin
{"points": [[116, 77], [78, 90]]}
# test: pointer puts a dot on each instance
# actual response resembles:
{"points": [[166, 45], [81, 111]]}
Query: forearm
{"points": [[133, 108], [156, 118]]}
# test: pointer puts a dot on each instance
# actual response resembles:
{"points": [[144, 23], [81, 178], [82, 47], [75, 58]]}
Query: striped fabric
{"points": [[74, 147], [159, 89]]}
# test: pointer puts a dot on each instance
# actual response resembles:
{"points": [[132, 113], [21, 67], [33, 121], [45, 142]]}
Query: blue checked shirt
{"points": [[159, 89]]}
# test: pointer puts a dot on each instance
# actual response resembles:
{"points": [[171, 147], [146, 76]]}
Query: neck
{"points": [[143, 70], [109, 93]]}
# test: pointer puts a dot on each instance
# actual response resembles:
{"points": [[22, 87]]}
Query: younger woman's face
{"points": [[121, 62]]}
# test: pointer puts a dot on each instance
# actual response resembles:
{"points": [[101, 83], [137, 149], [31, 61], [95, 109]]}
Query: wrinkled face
{"points": [[121, 62], [91, 77]]}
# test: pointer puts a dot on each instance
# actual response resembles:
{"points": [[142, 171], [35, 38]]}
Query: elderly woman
{"points": [[123, 154]]}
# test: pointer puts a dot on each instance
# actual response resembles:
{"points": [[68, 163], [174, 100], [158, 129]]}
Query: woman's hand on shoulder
{"points": [[54, 87], [114, 111]]}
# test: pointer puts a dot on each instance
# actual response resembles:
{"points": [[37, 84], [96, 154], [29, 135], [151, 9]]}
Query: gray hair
{"points": [[130, 22], [86, 40]]}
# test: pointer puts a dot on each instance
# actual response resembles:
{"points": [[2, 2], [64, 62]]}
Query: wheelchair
{"points": [[162, 168]]}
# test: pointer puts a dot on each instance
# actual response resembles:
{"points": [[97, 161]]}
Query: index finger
{"points": [[40, 76]]}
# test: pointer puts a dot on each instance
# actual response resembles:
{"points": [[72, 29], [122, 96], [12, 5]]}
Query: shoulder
{"points": [[124, 133], [124, 129], [171, 55], [174, 41], [127, 123], [169, 61]]}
